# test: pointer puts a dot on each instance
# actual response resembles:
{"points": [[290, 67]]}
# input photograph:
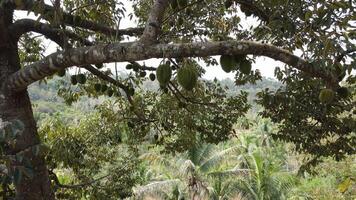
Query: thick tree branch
{"points": [[23, 26], [47, 12], [26, 25], [154, 22], [134, 51]]}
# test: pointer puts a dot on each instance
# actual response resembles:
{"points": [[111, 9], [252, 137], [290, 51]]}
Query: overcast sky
{"points": [[265, 65]]}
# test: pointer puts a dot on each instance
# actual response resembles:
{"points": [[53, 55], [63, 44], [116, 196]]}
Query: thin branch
{"points": [[143, 67], [104, 77]]}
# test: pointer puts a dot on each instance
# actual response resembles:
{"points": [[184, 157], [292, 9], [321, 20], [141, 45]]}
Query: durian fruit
{"points": [[164, 74], [81, 78], [245, 67], [73, 79], [228, 3], [129, 66], [110, 92], [136, 67], [152, 77], [228, 63], [326, 95], [99, 66], [130, 124], [343, 92], [182, 3], [143, 73], [61, 73], [239, 57], [131, 91], [104, 87], [97, 87], [174, 4], [187, 77]]}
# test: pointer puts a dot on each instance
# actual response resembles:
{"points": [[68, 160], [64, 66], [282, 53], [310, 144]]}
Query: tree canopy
{"points": [[314, 108]]}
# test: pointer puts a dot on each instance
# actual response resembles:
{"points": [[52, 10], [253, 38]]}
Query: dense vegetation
{"points": [[94, 153], [159, 129]]}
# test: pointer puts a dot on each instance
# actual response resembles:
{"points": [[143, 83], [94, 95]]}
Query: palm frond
{"points": [[157, 188], [216, 158]]}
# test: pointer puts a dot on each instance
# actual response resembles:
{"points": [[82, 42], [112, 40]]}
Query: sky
{"points": [[264, 64]]}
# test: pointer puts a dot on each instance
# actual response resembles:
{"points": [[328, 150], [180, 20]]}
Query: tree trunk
{"points": [[16, 106]]}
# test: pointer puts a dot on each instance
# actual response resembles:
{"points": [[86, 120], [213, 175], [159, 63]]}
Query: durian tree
{"points": [[314, 39]]}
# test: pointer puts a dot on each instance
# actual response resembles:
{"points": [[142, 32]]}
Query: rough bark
{"points": [[154, 22], [17, 106]]}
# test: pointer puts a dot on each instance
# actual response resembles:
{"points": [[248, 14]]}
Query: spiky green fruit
{"points": [[143, 74], [73, 79], [245, 67], [104, 87], [240, 57], [97, 87], [187, 77], [136, 67], [164, 74], [228, 3], [174, 4], [99, 66], [61, 73], [129, 66], [110, 92], [152, 77], [228, 63], [81, 78], [182, 3], [131, 91], [343, 92], [326, 95]]}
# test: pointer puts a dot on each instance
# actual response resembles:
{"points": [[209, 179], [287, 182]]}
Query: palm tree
{"points": [[265, 179], [190, 171]]}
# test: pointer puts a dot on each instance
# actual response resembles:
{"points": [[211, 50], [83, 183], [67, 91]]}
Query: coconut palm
{"points": [[265, 180], [190, 172]]}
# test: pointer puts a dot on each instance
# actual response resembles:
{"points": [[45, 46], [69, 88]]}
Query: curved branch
{"points": [[135, 51], [48, 11], [23, 26]]}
